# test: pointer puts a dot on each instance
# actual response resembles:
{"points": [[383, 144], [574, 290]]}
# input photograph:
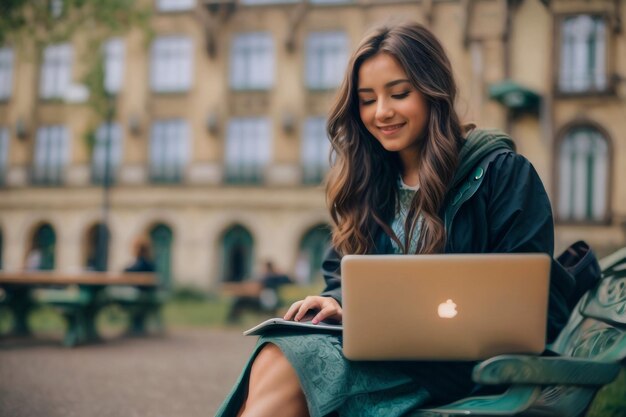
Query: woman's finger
{"points": [[331, 310], [309, 303], [289, 315]]}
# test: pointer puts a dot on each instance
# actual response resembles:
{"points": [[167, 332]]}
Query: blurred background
{"points": [[200, 123]]}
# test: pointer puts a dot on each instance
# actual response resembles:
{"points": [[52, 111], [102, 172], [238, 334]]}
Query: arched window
{"points": [[312, 248], [583, 51], [97, 245], [161, 237], [40, 255], [583, 176], [237, 249]]}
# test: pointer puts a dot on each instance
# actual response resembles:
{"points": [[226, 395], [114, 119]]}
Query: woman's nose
{"points": [[383, 110]]}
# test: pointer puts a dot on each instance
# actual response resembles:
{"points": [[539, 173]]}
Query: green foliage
{"points": [[184, 314], [189, 294], [34, 21], [12, 18], [31, 25]]}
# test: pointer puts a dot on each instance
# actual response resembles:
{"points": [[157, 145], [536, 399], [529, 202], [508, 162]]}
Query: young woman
{"points": [[407, 178]]}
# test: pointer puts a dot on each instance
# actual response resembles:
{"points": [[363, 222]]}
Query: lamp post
{"points": [[79, 94]]}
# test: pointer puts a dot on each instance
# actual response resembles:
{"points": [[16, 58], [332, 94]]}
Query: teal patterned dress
{"points": [[333, 384]]}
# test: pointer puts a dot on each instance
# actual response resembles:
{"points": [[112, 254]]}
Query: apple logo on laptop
{"points": [[447, 310]]}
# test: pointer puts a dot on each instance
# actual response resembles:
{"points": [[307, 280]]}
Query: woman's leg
{"points": [[274, 387]]}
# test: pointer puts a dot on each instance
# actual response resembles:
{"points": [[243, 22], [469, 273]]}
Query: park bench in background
{"points": [[255, 295], [592, 348], [79, 297]]}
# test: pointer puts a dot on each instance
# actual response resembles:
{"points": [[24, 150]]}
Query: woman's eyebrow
{"points": [[388, 85]]}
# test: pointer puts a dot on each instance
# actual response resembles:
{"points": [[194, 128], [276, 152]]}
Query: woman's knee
{"points": [[268, 357], [274, 388]]}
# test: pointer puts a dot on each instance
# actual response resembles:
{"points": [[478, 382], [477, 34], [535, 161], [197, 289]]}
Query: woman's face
{"points": [[391, 109]]}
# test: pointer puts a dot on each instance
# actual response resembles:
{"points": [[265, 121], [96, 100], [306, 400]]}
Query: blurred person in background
{"points": [[142, 250]]}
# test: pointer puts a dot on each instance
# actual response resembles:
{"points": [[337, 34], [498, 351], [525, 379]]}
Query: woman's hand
{"points": [[326, 308]]}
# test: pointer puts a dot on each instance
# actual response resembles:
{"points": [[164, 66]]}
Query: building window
{"points": [[51, 155], [583, 54], [169, 150], [56, 71], [247, 150], [107, 148], [171, 64], [4, 153], [238, 252], [113, 51], [56, 8], [326, 59], [252, 61], [315, 150], [175, 5], [583, 176], [6, 73]]}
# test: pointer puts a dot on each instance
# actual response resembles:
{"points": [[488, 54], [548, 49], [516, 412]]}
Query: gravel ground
{"points": [[184, 373]]}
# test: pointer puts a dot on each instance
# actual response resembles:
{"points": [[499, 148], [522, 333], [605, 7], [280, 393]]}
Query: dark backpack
{"points": [[580, 262]]}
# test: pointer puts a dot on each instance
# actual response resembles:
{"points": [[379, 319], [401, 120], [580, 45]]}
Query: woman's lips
{"points": [[391, 129]]}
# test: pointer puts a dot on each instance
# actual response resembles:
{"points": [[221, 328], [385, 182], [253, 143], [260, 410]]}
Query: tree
{"points": [[32, 24], [45, 21]]}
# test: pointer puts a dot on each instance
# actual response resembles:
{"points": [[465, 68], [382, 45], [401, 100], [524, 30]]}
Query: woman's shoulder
{"points": [[508, 163]]}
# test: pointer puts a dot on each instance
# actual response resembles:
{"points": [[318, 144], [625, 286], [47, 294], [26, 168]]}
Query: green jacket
{"points": [[496, 204]]}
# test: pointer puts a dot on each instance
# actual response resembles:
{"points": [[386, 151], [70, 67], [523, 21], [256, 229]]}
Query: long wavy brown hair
{"points": [[362, 190]]}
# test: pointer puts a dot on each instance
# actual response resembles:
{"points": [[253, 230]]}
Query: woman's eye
{"points": [[366, 102], [401, 95]]}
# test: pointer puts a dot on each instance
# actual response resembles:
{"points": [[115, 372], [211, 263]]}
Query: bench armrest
{"points": [[522, 369]]}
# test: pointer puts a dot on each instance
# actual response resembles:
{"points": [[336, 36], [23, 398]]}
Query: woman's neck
{"points": [[409, 167]]}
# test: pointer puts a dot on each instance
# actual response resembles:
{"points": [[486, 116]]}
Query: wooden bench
{"points": [[79, 297], [592, 348]]}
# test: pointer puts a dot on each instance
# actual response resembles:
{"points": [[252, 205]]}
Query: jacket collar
{"points": [[478, 144]]}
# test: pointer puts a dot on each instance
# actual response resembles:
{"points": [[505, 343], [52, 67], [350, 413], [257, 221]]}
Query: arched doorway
{"points": [[42, 248], [313, 246], [97, 247], [161, 238], [237, 249]]}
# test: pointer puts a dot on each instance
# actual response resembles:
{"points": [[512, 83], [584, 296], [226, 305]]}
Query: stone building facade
{"points": [[217, 149]]}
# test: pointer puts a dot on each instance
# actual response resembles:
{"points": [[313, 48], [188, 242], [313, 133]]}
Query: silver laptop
{"points": [[444, 307]]}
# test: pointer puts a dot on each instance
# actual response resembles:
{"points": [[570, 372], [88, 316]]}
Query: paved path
{"points": [[185, 373]]}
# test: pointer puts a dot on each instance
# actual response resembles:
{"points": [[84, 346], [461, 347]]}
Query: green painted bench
{"points": [[142, 304], [79, 298], [592, 349]]}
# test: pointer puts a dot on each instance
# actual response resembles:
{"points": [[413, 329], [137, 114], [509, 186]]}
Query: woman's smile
{"points": [[390, 130]]}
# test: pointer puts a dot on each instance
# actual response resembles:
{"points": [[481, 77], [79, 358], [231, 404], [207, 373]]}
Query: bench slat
{"points": [[525, 369], [514, 400]]}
